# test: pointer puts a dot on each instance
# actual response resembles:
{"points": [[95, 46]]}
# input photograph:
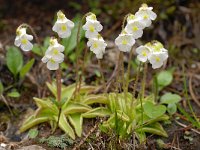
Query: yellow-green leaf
{"points": [[77, 121], [64, 125], [25, 69], [46, 104], [75, 108], [100, 111], [91, 99], [14, 60]]}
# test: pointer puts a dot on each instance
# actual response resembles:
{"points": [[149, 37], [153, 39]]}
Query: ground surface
{"points": [[178, 30]]}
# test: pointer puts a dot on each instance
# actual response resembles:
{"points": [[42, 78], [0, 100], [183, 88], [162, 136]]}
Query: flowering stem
{"points": [[118, 62], [59, 85], [122, 75], [102, 75], [116, 73], [124, 83], [119, 65], [143, 90], [124, 21], [144, 80], [155, 87], [128, 71], [83, 68], [78, 38], [142, 109], [136, 82]]}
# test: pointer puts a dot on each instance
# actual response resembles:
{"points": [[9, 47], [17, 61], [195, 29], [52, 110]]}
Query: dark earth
{"points": [[177, 26]]}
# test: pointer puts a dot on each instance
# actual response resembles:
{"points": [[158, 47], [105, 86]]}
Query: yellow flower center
{"points": [[93, 17], [61, 15], [144, 53], [124, 42], [146, 16], [157, 49], [95, 45], [52, 61], [135, 28], [18, 32], [52, 41], [55, 52], [144, 5], [24, 41], [63, 28], [157, 59], [131, 17], [91, 28]]}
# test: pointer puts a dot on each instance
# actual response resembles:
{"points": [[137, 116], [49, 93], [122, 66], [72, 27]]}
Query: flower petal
{"points": [[29, 37], [65, 34], [70, 24], [142, 58], [17, 41], [52, 65], [27, 47], [45, 59]]}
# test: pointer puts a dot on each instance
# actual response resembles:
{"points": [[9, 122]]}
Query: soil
{"points": [[180, 33]]}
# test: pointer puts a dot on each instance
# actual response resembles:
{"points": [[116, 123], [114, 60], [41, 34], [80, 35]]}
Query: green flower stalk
{"points": [[96, 42], [78, 38]]}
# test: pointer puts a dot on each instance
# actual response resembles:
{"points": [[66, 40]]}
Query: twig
{"points": [[114, 27], [87, 135], [187, 96], [5, 101], [185, 126], [192, 92]]}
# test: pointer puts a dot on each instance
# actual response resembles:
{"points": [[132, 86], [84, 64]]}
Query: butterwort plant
{"points": [[63, 110], [129, 113], [70, 104], [53, 57]]}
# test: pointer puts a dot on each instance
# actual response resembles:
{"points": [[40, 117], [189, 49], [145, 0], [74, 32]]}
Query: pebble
{"points": [[31, 147]]}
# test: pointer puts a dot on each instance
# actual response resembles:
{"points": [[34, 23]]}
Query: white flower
{"points": [[97, 45], [157, 59], [63, 26], [158, 54], [143, 53], [125, 42], [134, 26], [23, 39], [154, 52], [92, 26], [145, 14], [53, 55]]}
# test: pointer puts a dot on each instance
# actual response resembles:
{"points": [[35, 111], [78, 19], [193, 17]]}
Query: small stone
{"points": [[193, 66], [31, 147], [3, 145], [2, 148]]}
